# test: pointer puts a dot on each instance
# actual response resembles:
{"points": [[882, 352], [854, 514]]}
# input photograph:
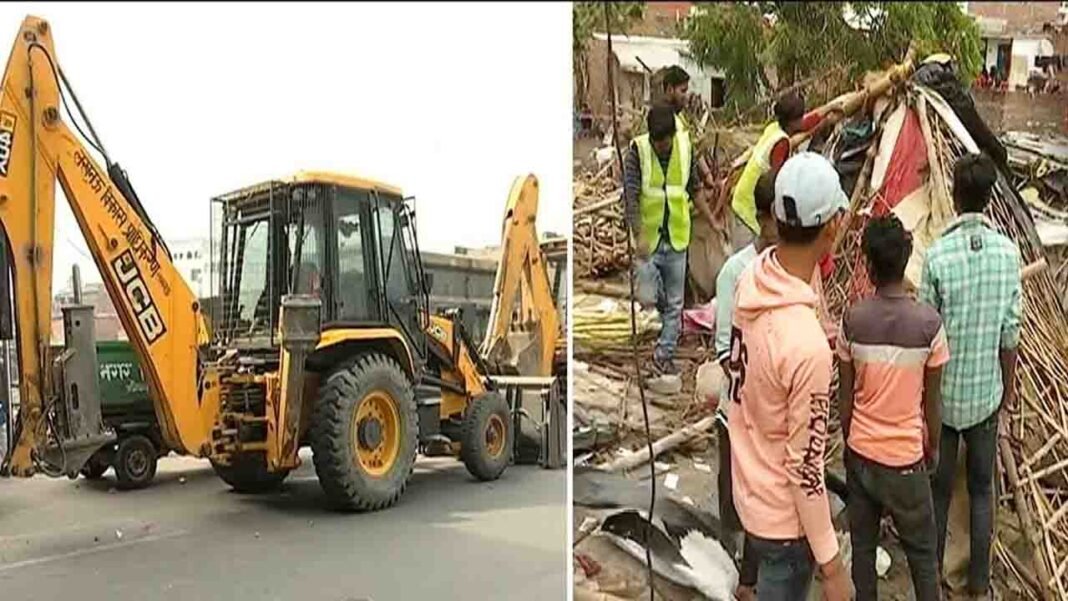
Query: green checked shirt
{"points": [[972, 277]]}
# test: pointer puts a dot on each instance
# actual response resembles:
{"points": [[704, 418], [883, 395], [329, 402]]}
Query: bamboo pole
{"points": [[597, 206], [664, 444], [850, 102], [1018, 569], [1027, 524]]}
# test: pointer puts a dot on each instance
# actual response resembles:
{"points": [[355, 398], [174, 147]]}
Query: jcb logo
{"points": [[438, 332], [7, 140], [133, 286]]}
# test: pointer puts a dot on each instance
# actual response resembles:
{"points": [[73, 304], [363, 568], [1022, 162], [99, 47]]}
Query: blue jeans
{"points": [[786, 568], [665, 270]]}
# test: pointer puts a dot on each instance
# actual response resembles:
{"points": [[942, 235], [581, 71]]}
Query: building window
{"points": [[194, 275]]}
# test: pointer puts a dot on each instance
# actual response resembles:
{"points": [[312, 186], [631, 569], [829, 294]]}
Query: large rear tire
{"points": [[247, 474], [486, 437], [364, 433]]}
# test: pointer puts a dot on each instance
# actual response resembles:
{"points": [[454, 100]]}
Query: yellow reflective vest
{"points": [[662, 192], [743, 201]]}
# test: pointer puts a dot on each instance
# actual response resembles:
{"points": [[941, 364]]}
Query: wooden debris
{"points": [[664, 444]]}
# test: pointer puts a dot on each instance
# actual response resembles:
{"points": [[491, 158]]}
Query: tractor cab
{"points": [[348, 241]]}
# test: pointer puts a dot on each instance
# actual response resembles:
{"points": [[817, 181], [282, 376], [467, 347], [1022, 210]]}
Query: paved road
{"points": [[190, 537]]}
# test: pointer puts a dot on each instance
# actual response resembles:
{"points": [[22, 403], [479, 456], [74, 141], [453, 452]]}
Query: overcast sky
{"points": [[449, 102]]}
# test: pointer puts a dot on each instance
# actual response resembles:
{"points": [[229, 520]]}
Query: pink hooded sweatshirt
{"points": [[780, 366]]}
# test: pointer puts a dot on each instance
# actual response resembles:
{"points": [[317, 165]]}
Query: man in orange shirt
{"points": [[780, 377], [891, 356]]}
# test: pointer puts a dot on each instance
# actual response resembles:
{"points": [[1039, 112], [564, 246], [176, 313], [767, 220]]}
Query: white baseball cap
{"points": [[808, 192]]}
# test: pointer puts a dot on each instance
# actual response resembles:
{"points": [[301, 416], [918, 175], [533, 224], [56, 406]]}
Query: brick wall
{"points": [[1020, 17]]}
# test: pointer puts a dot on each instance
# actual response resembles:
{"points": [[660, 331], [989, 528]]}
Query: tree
{"points": [[589, 17], [794, 40]]}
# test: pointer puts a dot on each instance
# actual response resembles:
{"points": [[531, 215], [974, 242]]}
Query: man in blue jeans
{"points": [[659, 188], [972, 277]]}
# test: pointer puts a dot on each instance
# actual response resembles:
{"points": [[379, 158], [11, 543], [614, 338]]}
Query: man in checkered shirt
{"points": [[972, 277]]}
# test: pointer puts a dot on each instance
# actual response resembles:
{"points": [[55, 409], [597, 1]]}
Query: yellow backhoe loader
{"points": [[318, 335]]}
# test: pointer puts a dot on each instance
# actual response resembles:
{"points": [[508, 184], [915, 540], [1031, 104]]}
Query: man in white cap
{"points": [[780, 377]]}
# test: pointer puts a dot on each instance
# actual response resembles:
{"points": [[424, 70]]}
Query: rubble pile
{"points": [[600, 233], [1039, 168], [894, 146]]}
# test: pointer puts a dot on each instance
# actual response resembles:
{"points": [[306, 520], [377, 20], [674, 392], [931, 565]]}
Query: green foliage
{"points": [[802, 39], [731, 37]]}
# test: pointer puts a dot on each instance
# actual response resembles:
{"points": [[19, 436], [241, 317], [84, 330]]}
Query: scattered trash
{"points": [[709, 384], [589, 566], [181, 479], [118, 534], [701, 318], [665, 384], [702, 467], [696, 559], [671, 481]]}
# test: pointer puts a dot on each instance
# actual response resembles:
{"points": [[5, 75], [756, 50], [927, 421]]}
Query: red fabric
{"points": [[907, 166], [781, 151]]}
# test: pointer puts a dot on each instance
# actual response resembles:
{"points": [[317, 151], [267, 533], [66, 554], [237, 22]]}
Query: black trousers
{"points": [[905, 494], [981, 445]]}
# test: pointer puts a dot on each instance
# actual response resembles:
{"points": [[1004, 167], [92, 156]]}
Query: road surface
{"points": [[189, 537]]}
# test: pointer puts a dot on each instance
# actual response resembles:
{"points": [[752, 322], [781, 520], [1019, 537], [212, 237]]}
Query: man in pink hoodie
{"points": [[780, 377]]}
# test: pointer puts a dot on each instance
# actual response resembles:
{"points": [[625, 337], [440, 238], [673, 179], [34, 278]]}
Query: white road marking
{"points": [[97, 549]]}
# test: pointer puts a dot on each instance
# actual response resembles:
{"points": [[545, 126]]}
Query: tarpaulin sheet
{"points": [[907, 167]]}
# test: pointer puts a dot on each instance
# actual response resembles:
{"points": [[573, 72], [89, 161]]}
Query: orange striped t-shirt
{"points": [[891, 339]]}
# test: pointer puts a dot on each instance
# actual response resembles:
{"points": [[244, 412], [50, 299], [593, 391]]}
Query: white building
{"points": [[641, 56], [192, 259]]}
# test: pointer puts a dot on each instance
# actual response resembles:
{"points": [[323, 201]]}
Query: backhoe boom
{"points": [[156, 307]]}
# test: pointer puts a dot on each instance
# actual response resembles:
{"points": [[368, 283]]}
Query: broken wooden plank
{"points": [[664, 444]]}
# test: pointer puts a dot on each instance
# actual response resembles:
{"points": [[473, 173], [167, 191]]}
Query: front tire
{"points": [[364, 433], [135, 462], [486, 437], [247, 474]]}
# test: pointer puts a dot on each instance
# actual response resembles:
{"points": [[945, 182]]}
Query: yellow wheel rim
{"points": [[494, 436], [376, 433]]}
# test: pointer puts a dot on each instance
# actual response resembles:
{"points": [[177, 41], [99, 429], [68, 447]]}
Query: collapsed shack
{"points": [[894, 149], [1039, 168]]}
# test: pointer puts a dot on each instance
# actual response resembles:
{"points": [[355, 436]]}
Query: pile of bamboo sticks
{"points": [[600, 232]]}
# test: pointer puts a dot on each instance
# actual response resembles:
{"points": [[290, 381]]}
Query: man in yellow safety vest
{"points": [[659, 185], [769, 154]]}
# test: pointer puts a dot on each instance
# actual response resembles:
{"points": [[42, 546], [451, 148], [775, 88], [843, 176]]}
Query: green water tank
{"points": [[122, 384]]}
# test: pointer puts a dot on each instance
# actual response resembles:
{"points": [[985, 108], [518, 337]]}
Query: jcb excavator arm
{"points": [[521, 285], [522, 271], [156, 307]]}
